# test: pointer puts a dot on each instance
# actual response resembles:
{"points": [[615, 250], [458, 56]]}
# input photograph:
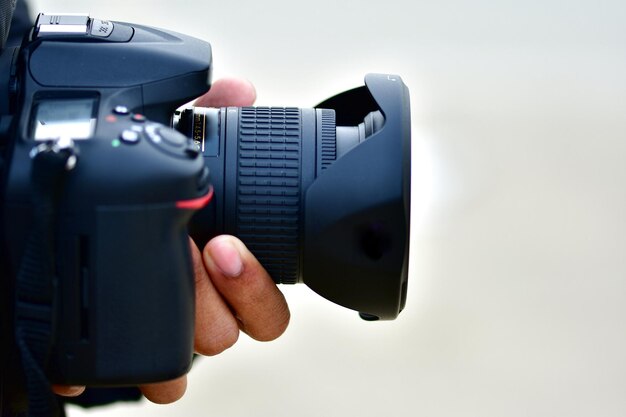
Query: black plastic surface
{"points": [[126, 310], [318, 203]]}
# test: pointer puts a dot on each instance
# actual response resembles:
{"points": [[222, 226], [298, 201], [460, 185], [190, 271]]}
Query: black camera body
{"points": [[321, 196], [124, 302]]}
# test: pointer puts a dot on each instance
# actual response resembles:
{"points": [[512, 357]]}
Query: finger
{"points": [[68, 390], [216, 328], [228, 92], [165, 392], [246, 286]]}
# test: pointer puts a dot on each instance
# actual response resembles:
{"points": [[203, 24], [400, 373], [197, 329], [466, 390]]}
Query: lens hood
{"points": [[356, 234]]}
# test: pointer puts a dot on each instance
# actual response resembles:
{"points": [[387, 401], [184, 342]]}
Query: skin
{"points": [[233, 291]]}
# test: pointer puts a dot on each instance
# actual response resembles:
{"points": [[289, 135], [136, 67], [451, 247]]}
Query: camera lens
{"points": [[316, 203], [268, 157]]}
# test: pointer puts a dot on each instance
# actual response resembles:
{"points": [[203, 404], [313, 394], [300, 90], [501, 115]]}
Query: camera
{"points": [[103, 179]]}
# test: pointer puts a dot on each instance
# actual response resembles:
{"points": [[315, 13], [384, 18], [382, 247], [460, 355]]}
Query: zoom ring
{"points": [[268, 188]]}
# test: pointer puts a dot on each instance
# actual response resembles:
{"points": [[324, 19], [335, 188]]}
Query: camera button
{"points": [[101, 28], [139, 118], [152, 133], [121, 110], [129, 136]]}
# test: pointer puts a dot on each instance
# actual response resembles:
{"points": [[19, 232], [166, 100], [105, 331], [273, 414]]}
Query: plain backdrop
{"points": [[517, 293]]}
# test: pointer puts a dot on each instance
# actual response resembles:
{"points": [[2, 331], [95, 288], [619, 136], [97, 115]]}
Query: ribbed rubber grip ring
{"points": [[268, 188]]}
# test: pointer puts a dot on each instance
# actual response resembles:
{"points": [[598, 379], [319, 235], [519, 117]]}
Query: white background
{"points": [[518, 273]]}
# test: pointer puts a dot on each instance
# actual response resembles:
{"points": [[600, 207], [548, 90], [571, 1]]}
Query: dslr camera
{"points": [[103, 179]]}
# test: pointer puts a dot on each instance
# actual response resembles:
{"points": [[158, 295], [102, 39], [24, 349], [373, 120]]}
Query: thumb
{"points": [[247, 288]]}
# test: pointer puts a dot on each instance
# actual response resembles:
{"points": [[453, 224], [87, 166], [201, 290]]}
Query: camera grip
{"points": [[135, 318]]}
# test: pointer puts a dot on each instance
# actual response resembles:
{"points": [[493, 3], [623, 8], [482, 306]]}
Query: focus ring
{"points": [[268, 188]]}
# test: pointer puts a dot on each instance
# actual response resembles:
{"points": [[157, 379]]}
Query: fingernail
{"points": [[68, 390], [74, 391], [226, 257]]}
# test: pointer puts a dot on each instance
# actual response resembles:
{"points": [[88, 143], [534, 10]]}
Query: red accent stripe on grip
{"points": [[196, 203]]}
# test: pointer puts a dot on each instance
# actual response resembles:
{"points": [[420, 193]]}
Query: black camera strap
{"points": [[36, 280]]}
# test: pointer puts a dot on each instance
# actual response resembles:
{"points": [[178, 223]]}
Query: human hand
{"points": [[233, 291]]}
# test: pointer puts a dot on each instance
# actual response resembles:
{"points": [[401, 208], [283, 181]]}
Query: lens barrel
{"points": [[278, 152], [315, 202]]}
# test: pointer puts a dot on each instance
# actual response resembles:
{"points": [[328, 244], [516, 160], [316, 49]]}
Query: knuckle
{"points": [[219, 340], [271, 329]]}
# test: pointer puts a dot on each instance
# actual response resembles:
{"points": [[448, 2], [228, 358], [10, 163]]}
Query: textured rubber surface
{"points": [[328, 139], [268, 188], [6, 13]]}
